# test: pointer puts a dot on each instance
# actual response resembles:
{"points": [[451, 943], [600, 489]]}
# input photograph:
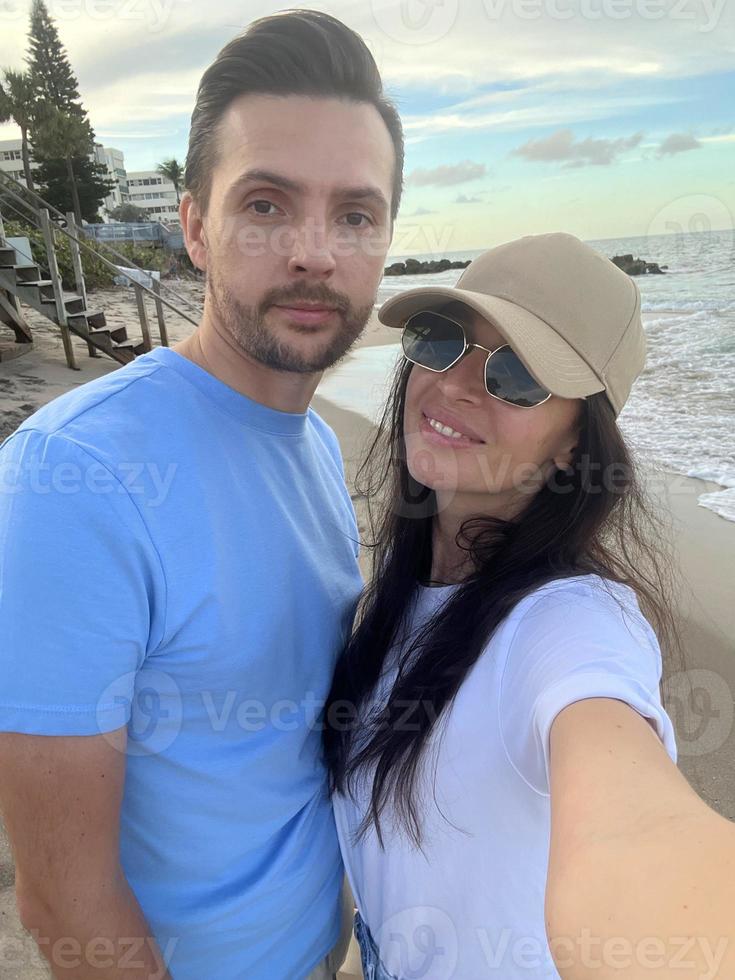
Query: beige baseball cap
{"points": [[570, 314]]}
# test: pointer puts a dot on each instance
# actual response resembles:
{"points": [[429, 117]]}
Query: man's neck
{"points": [[216, 352]]}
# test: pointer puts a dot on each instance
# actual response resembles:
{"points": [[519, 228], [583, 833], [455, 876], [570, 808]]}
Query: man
{"points": [[178, 555]]}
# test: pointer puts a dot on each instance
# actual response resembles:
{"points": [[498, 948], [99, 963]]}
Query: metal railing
{"points": [[33, 213]]}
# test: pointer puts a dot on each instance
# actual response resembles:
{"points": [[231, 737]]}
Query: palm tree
{"points": [[17, 102], [173, 171]]}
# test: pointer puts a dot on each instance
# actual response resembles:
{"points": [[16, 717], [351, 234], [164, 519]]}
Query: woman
{"points": [[503, 769]]}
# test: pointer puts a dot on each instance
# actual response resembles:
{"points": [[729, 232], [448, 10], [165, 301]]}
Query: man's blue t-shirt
{"points": [[180, 559]]}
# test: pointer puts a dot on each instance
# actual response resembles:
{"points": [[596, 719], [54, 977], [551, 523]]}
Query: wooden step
{"points": [[26, 273], [96, 318], [72, 302], [44, 286], [114, 333], [8, 258]]}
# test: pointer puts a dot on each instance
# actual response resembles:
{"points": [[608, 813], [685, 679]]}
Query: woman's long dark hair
{"points": [[593, 518]]}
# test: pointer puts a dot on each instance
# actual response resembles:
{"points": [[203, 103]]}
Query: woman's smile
{"points": [[440, 433]]}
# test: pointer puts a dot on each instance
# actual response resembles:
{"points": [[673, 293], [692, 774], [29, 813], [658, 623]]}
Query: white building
{"points": [[114, 161], [156, 195], [11, 159], [146, 189], [11, 163]]}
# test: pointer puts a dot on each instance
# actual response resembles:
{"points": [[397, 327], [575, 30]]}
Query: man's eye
{"points": [[261, 206], [360, 219]]}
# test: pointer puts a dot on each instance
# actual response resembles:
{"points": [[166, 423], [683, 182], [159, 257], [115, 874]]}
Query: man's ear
{"points": [[192, 226]]}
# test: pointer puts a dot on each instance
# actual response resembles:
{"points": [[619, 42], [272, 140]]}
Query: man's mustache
{"points": [[306, 294]]}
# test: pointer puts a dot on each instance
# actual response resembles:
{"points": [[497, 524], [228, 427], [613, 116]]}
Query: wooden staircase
{"points": [[22, 283]]}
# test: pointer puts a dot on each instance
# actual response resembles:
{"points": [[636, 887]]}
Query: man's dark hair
{"points": [[298, 52]]}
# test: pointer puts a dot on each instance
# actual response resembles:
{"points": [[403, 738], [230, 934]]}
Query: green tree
{"points": [[51, 73], [17, 102], [61, 147], [63, 139], [128, 212], [173, 171]]}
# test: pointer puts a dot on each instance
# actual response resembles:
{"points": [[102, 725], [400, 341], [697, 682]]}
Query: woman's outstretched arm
{"points": [[641, 880]]}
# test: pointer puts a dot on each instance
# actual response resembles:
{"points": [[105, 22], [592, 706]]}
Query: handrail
{"points": [[84, 244]]}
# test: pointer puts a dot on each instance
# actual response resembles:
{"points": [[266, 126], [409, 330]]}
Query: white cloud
{"points": [[447, 175], [551, 104], [142, 71], [678, 143], [562, 146]]}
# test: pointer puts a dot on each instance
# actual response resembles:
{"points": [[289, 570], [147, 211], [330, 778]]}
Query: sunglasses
{"points": [[437, 342]]}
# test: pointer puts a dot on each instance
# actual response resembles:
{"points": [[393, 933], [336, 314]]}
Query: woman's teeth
{"points": [[445, 430]]}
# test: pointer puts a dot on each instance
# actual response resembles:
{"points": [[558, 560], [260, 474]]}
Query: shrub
{"points": [[97, 274]]}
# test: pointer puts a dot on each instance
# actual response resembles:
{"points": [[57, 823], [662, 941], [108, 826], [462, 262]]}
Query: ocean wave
{"points": [[687, 305], [722, 502]]}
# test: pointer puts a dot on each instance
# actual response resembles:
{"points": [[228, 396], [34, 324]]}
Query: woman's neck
{"points": [[449, 563]]}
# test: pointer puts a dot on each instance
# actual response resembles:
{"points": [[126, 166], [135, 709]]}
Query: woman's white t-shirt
{"points": [[470, 903]]}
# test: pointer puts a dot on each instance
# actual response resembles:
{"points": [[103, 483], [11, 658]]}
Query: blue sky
{"points": [[605, 118]]}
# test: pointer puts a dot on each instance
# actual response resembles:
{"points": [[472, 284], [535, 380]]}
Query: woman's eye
{"points": [[261, 206]]}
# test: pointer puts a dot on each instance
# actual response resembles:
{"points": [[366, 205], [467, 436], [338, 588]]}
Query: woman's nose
{"points": [[465, 381]]}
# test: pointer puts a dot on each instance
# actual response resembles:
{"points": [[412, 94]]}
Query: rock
{"points": [[416, 267], [638, 267]]}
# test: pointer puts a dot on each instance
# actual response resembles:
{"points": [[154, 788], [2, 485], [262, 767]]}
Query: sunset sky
{"points": [[604, 118]]}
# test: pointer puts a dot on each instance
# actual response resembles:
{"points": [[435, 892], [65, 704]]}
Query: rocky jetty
{"points": [[638, 267], [413, 267]]}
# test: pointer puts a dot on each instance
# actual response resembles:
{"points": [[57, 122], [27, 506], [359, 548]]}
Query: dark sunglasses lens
{"points": [[432, 341], [506, 377]]}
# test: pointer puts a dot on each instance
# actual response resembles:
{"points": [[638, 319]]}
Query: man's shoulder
{"points": [[325, 432], [113, 408]]}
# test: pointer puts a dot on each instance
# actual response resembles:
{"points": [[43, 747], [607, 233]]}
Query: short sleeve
{"points": [[571, 643], [330, 440], [79, 583]]}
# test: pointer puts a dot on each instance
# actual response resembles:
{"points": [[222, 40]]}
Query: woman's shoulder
{"points": [[582, 604], [587, 586]]}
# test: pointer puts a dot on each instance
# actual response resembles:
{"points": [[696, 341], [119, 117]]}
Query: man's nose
{"points": [[312, 252]]}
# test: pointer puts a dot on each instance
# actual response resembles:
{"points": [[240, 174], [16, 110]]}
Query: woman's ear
{"points": [[565, 455], [563, 458]]}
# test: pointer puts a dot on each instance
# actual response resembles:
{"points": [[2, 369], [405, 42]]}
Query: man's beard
{"points": [[246, 325]]}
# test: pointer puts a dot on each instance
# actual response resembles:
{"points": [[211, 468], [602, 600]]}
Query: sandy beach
{"points": [[704, 542]]}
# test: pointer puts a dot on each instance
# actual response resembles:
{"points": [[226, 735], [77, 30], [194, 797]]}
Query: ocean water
{"points": [[681, 411]]}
